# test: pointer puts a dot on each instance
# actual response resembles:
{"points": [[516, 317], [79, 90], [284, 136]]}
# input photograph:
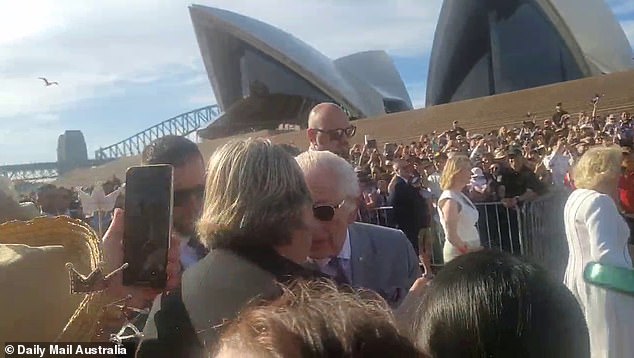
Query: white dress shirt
{"points": [[188, 254], [434, 184], [558, 164]]}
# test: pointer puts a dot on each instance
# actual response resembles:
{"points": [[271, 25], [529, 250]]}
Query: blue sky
{"points": [[126, 65]]}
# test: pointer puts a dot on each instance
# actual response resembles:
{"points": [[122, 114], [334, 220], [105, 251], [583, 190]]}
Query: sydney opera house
{"points": [[262, 76], [485, 47]]}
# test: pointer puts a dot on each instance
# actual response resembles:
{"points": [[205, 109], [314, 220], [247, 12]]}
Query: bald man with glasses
{"points": [[357, 254], [329, 129]]}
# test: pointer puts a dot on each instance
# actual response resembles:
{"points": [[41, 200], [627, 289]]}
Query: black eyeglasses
{"points": [[181, 197], [326, 212], [338, 133]]}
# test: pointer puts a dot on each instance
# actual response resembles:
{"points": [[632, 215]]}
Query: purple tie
{"points": [[340, 277]]}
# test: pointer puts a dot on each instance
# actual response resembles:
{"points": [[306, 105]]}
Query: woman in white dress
{"points": [[595, 231], [458, 215]]}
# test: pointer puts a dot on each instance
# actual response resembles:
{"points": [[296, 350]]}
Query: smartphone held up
{"points": [[148, 223]]}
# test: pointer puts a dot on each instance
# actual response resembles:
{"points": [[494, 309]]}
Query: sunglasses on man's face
{"points": [[181, 197], [338, 133], [324, 212]]}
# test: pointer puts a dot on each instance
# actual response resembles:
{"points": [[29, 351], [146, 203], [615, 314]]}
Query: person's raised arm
{"points": [[529, 195], [501, 191], [370, 200]]}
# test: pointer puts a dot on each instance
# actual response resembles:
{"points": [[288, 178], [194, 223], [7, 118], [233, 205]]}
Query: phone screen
{"points": [[390, 148], [148, 223]]}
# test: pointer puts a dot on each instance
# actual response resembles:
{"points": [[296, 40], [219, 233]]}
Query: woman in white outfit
{"points": [[596, 232], [458, 215]]}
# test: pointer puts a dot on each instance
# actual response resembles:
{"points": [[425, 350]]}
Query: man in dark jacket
{"points": [[189, 188], [403, 199], [557, 116]]}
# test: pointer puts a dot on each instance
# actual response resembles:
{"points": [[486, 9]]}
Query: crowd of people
{"points": [[302, 272]]}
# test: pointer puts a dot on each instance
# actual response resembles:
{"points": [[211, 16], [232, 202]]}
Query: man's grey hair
{"points": [[254, 196], [329, 166]]}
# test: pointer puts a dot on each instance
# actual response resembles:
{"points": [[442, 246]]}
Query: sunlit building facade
{"points": [[262, 76], [486, 47]]}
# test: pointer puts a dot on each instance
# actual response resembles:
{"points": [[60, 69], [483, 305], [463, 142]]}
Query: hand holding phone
{"points": [[147, 225], [112, 245]]}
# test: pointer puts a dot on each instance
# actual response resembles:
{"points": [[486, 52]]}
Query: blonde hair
{"points": [[597, 166], [453, 166], [254, 196], [316, 319]]}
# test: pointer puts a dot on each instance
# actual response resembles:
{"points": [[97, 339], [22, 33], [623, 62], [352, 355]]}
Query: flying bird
{"points": [[47, 83]]}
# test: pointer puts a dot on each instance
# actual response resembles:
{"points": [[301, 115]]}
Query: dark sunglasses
{"points": [[181, 197], [326, 212], [339, 132]]}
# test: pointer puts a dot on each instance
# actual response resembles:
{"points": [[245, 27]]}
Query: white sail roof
{"points": [[597, 32], [347, 88]]}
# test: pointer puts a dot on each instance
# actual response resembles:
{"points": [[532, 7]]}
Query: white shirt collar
{"points": [[188, 255], [345, 253]]}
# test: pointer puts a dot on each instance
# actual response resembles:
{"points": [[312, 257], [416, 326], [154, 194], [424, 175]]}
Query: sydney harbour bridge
{"points": [[71, 150]]}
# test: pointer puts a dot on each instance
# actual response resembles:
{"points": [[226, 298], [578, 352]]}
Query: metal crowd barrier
{"points": [[500, 227], [381, 216], [534, 230], [545, 232]]}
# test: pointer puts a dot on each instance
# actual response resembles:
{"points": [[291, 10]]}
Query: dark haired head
{"points": [[171, 149], [492, 304]]}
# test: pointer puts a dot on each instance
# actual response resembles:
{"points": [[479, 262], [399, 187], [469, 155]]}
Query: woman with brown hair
{"points": [[257, 220]]}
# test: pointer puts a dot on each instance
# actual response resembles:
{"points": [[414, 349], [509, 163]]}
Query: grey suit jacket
{"points": [[214, 290], [382, 260]]}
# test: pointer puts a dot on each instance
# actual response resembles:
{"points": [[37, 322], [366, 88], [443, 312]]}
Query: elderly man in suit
{"points": [[362, 255]]}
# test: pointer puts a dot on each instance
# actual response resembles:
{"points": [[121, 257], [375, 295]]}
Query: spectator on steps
{"points": [[557, 116]]}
